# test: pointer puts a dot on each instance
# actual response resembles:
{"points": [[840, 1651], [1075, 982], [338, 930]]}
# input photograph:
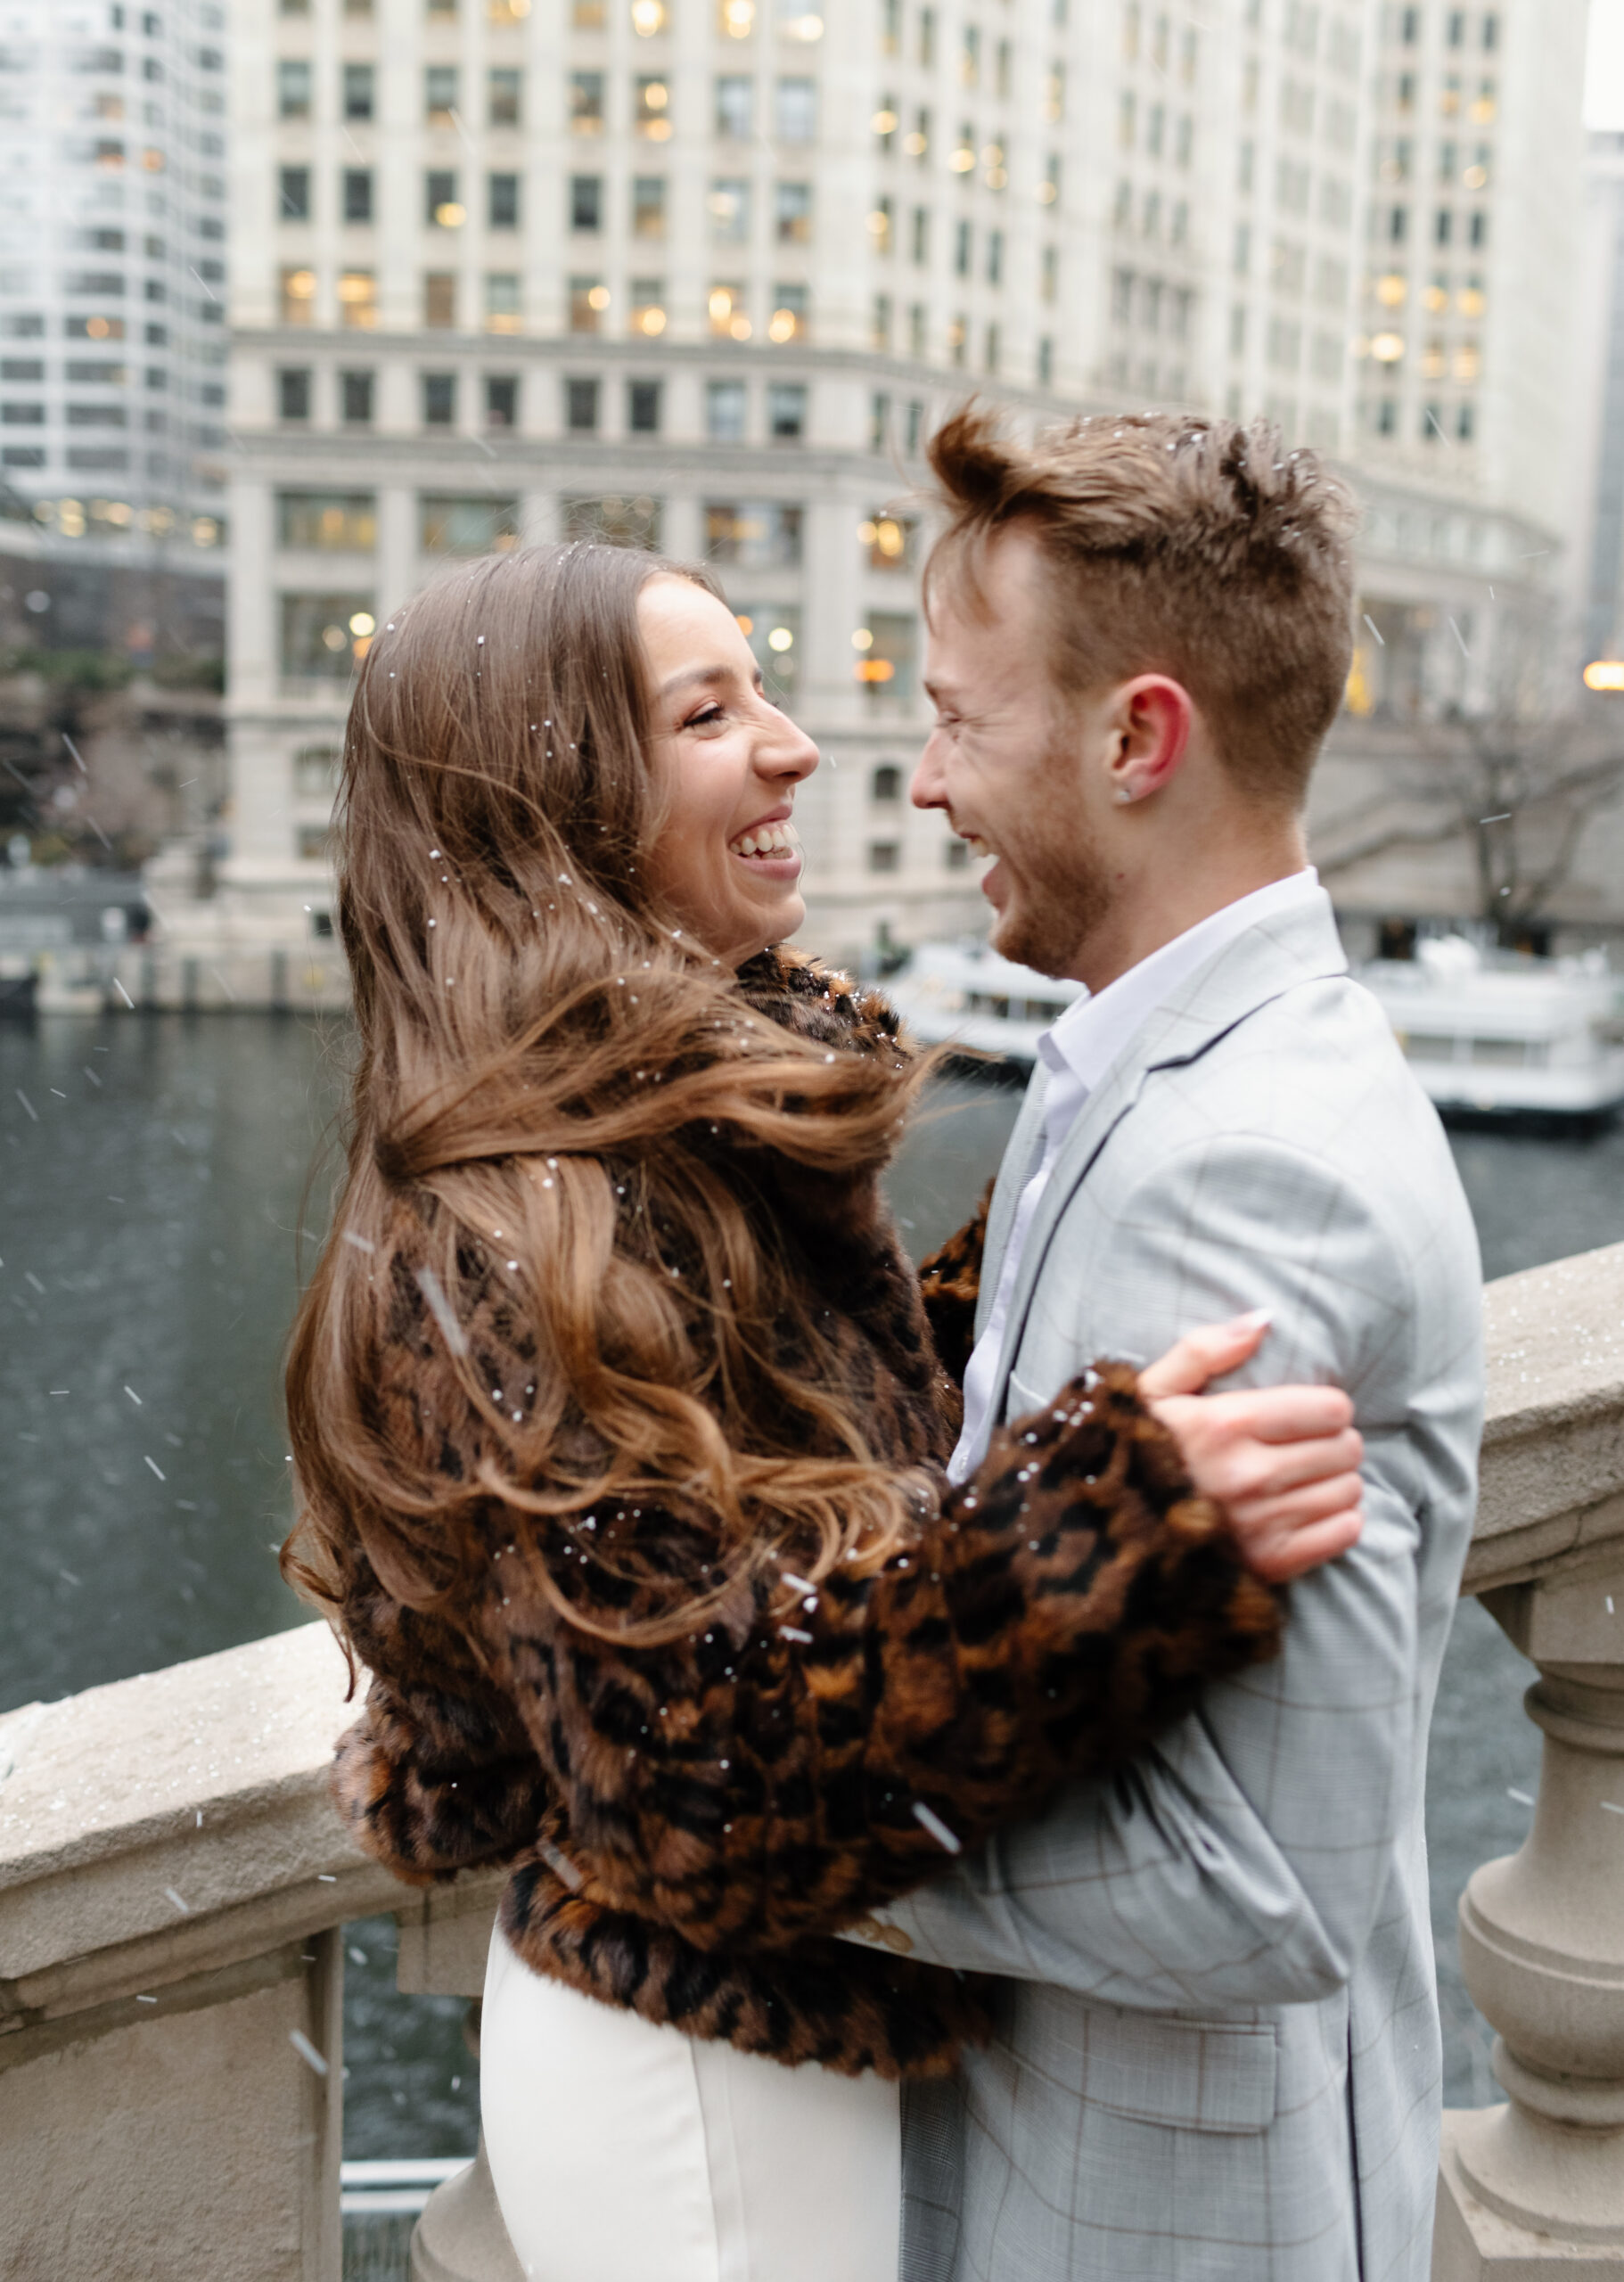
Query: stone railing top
{"points": [[1553, 1475], [170, 1823]]}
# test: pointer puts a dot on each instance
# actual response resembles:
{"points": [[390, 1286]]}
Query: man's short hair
{"points": [[1177, 544]]}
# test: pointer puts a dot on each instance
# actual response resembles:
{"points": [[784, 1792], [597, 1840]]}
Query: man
{"points": [[1218, 2048]]}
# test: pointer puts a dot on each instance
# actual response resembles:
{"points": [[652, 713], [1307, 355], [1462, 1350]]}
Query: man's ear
{"points": [[1151, 718]]}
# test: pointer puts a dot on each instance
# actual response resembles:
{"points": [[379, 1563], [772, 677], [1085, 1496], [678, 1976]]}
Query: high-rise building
{"points": [[112, 324], [705, 272]]}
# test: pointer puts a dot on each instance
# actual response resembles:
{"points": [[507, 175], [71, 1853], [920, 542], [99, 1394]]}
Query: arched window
{"points": [[886, 783]]}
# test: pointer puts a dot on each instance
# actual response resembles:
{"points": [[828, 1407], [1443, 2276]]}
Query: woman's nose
{"points": [[791, 753]]}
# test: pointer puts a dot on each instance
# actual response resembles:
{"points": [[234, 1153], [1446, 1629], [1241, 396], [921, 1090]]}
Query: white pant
{"points": [[623, 2152]]}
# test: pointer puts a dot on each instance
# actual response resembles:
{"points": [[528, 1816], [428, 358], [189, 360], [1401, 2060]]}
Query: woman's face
{"points": [[727, 859]]}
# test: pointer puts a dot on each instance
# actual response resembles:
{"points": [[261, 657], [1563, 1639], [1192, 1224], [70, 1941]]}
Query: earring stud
{"points": [[1123, 796]]}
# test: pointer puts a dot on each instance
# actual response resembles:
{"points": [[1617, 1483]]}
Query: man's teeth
{"points": [[976, 847], [769, 840]]}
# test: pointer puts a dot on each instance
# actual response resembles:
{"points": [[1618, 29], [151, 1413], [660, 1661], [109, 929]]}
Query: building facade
{"points": [[704, 274], [112, 325]]}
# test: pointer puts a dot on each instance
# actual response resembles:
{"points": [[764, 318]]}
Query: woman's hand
{"points": [[1283, 1462]]}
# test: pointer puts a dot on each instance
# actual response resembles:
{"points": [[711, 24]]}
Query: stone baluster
{"points": [[1537, 2185]]}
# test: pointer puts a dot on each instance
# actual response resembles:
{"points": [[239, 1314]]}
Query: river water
{"points": [[152, 1181]]}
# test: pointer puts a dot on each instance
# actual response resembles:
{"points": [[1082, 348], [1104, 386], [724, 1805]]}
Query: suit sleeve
{"points": [[1241, 1858]]}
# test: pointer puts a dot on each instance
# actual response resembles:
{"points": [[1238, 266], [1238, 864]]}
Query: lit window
{"points": [[650, 110], [298, 296], [615, 520], [345, 522], [476, 525], [502, 310], [587, 103], [725, 307], [647, 314]]}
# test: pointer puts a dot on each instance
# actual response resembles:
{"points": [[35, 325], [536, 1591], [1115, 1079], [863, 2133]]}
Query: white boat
{"points": [[965, 995], [1497, 1035], [1486, 1033]]}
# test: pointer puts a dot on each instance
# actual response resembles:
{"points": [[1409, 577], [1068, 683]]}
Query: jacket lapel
{"points": [[1301, 945]]}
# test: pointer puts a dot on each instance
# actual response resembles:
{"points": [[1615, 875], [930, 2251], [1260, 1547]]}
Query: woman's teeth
{"points": [[767, 839]]}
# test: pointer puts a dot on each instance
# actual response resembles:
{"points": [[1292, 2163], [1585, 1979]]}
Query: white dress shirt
{"points": [[1077, 1052]]}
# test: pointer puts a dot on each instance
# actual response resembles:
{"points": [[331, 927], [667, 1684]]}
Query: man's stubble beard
{"points": [[1060, 894]]}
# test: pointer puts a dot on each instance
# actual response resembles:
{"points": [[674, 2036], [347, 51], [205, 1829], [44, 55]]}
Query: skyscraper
{"points": [[112, 323]]}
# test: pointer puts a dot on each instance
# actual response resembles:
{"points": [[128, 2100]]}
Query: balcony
{"points": [[173, 1881]]}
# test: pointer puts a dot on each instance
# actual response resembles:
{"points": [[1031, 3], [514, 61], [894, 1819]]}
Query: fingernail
{"points": [[1257, 1320]]}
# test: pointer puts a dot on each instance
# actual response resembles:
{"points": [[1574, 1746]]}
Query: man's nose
{"points": [[925, 790]]}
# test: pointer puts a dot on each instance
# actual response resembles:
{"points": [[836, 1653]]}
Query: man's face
{"points": [[1007, 761]]}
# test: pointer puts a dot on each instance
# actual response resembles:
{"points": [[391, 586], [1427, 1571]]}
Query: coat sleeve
{"points": [[438, 1774], [950, 1283], [781, 1774]]}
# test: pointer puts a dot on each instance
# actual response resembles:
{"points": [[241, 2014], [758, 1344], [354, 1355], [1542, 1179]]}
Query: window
{"points": [[651, 109], [795, 111], [585, 201], [298, 296], [958, 339], [618, 521], [357, 298], [1046, 362], [735, 109], [294, 204], [324, 636], [995, 257], [956, 855], [885, 662], [647, 313], [502, 87], [917, 329], [724, 411], [439, 399], [502, 201], [23, 415], [885, 783], [359, 98], [456, 525], [316, 772], [921, 235], [355, 399], [501, 308], [501, 400], [588, 300], [587, 103], [792, 213], [728, 207], [756, 534], [880, 322], [773, 630], [643, 407], [292, 89], [914, 430], [961, 249], [884, 856], [440, 95], [442, 209], [23, 456], [786, 411], [340, 519], [357, 193], [889, 540], [581, 407], [788, 321], [648, 206], [881, 219], [725, 307], [439, 300], [293, 395]]}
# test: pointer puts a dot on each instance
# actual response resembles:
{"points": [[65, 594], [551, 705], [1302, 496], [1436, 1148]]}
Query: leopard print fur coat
{"points": [[690, 1825]]}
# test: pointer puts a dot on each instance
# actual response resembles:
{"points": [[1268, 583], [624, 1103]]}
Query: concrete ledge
{"points": [[1552, 1492]]}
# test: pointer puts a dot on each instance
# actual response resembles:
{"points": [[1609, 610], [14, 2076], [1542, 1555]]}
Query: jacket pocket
{"points": [[1195, 2075]]}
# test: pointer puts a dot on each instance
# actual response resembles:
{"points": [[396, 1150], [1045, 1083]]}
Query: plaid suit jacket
{"points": [[1218, 2054]]}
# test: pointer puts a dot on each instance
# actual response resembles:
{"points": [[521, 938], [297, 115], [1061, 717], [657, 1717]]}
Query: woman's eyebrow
{"points": [[698, 678]]}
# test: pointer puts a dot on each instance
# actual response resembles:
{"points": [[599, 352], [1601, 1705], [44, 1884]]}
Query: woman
{"points": [[617, 1419]]}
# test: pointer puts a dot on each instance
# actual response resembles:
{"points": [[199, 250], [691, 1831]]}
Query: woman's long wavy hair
{"points": [[523, 993]]}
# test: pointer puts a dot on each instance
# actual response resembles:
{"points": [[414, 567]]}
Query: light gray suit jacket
{"points": [[1217, 2050]]}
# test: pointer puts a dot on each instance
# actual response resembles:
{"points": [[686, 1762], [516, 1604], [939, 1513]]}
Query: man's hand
{"points": [[1282, 1461]]}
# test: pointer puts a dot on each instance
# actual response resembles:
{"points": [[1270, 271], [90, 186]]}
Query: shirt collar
{"points": [[1082, 1046]]}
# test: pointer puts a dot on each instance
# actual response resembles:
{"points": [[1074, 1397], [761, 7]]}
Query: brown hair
{"points": [[1189, 546], [520, 993]]}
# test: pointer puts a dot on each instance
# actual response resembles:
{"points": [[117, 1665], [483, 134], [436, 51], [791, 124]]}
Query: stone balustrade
{"points": [[173, 1878]]}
